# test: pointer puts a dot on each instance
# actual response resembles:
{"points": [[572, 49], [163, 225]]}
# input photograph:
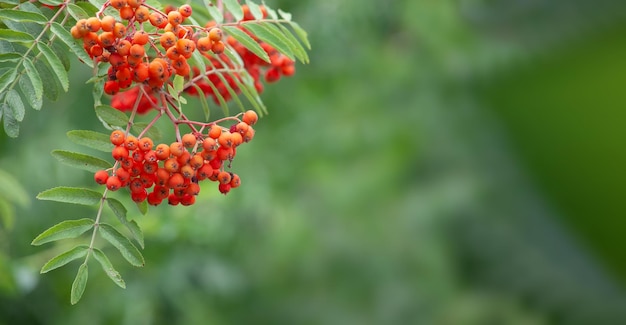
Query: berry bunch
{"points": [[173, 171]]}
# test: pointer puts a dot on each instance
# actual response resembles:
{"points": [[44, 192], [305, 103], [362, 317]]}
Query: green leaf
{"points": [[55, 64], [64, 230], [302, 34], [98, 91], [61, 53], [67, 38], [108, 268], [81, 161], [80, 282], [11, 125], [231, 91], [74, 195], [29, 92], [15, 36], [234, 8], [271, 13], [22, 16], [91, 139], [297, 48], [255, 10], [35, 80], [111, 116], [215, 13], [77, 12], [64, 258], [14, 102], [196, 60], [52, 89], [285, 15], [247, 88], [51, 2], [128, 250], [10, 57], [7, 78], [219, 97], [153, 133], [203, 102], [179, 82], [247, 41], [7, 214], [89, 8], [11, 190], [142, 207], [120, 211], [278, 41]]}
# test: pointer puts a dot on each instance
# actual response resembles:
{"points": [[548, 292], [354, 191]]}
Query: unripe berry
{"points": [[101, 177]]}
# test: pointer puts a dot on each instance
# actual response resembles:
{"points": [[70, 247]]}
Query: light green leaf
{"points": [[234, 8], [271, 13], [196, 60], [179, 82], [111, 116], [7, 78], [248, 90], [55, 64], [22, 16], [15, 36], [29, 92], [67, 38], [14, 102], [278, 41], [255, 10], [91, 139], [302, 34], [64, 258], [231, 91], [219, 97], [128, 250], [51, 2], [7, 214], [11, 125], [77, 12], [120, 211], [36, 83], [153, 133], [215, 13], [142, 207], [74, 195], [90, 9], [108, 268], [64, 230], [296, 47], [80, 282], [247, 41], [11, 190], [81, 161], [10, 57], [203, 102], [97, 92]]}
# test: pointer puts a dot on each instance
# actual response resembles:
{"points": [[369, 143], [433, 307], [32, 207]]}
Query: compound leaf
{"points": [[22, 16], [56, 64], [247, 41], [120, 211], [67, 38], [277, 40]]}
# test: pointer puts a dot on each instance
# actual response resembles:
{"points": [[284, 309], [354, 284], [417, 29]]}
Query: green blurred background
{"points": [[438, 162]]}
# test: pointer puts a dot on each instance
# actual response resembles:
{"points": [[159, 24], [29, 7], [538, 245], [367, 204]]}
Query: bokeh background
{"points": [[438, 162]]}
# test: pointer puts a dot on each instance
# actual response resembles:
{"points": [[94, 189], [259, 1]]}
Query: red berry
{"points": [[101, 177]]}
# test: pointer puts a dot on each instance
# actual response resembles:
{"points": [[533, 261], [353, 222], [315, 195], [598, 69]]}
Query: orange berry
{"points": [[117, 137], [215, 34], [176, 181], [145, 144], [101, 177], [185, 10], [204, 172], [150, 167], [184, 158], [127, 13], [209, 144], [107, 23], [122, 174], [137, 51], [177, 149], [224, 177], [188, 200], [242, 127], [250, 117], [225, 139], [162, 176], [119, 30], [204, 44], [175, 18], [141, 72], [140, 37], [150, 156], [185, 46], [235, 181], [249, 135], [96, 50], [142, 14], [162, 151], [218, 47], [157, 20], [193, 189], [167, 40], [118, 4], [76, 33], [189, 140], [187, 171], [215, 131], [131, 142], [135, 3], [107, 39], [113, 183], [171, 165], [208, 154], [224, 153], [196, 161], [237, 139], [93, 24], [111, 87]]}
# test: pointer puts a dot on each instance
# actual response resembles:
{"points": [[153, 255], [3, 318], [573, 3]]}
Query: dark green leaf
{"points": [[120, 211], [98, 90], [67, 38], [29, 92], [36, 97], [77, 12], [55, 64], [128, 250], [22, 16], [302, 34], [80, 282], [7, 78], [91, 139], [72, 195], [108, 268], [61, 53], [64, 230], [203, 102], [10, 57], [81, 161], [14, 102], [53, 86], [15, 36], [247, 41], [90, 9], [11, 125], [231, 91], [234, 8], [111, 116], [64, 258], [278, 41]]}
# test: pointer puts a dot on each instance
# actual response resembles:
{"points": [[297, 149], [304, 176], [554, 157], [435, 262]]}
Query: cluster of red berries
{"points": [[173, 171]]}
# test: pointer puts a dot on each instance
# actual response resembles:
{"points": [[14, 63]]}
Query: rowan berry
{"points": [[135, 3], [209, 144], [224, 177], [242, 127], [189, 140], [161, 191], [137, 156], [136, 185], [122, 175], [167, 40], [127, 13], [119, 30], [235, 181], [96, 50], [162, 175], [173, 199], [215, 34], [76, 33], [175, 18], [107, 39], [188, 200], [196, 161], [107, 23], [162, 151], [140, 37], [237, 139], [193, 189], [226, 139], [249, 135], [127, 163], [153, 199], [137, 51], [93, 24], [184, 158], [141, 72], [117, 137], [171, 165], [139, 196], [204, 172], [216, 163], [209, 154], [185, 10], [150, 156], [150, 167], [131, 142], [101, 177], [113, 183], [176, 181], [185, 46], [177, 149], [157, 20], [187, 171], [117, 60], [218, 47], [224, 188], [203, 44], [224, 153], [250, 117], [118, 4], [136, 169], [147, 179], [215, 131]]}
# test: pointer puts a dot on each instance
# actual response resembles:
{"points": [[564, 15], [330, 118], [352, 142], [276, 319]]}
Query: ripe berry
{"points": [[153, 199], [185, 10], [101, 177], [215, 131], [142, 14], [119, 30], [131, 142], [250, 117], [118, 4], [215, 34], [177, 149], [122, 175], [187, 200], [189, 140], [158, 20], [225, 139], [235, 181], [139, 196], [175, 18], [218, 47], [111, 87], [176, 181], [224, 188], [145, 144], [162, 151], [93, 24], [119, 153], [167, 40], [113, 183], [224, 177], [117, 137], [107, 23], [127, 13], [171, 165]]}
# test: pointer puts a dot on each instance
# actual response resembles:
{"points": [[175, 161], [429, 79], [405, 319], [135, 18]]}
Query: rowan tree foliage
{"points": [[147, 59]]}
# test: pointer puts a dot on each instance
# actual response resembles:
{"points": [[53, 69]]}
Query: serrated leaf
{"points": [[7, 78], [97, 92], [51, 2], [14, 102], [52, 89], [10, 57], [67, 38], [142, 207], [255, 10], [64, 258], [77, 12], [120, 211], [22, 16], [285, 15], [278, 41], [111, 116], [79, 284], [219, 97], [55, 64], [11, 190], [64, 230], [108, 268], [74, 195], [29, 92], [247, 41], [15, 36], [154, 133], [231, 91], [297, 48], [203, 102], [123, 244], [234, 8], [61, 53], [302, 34], [91, 139], [215, 13], [81, 161], [35, 81], [11, 125]]}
